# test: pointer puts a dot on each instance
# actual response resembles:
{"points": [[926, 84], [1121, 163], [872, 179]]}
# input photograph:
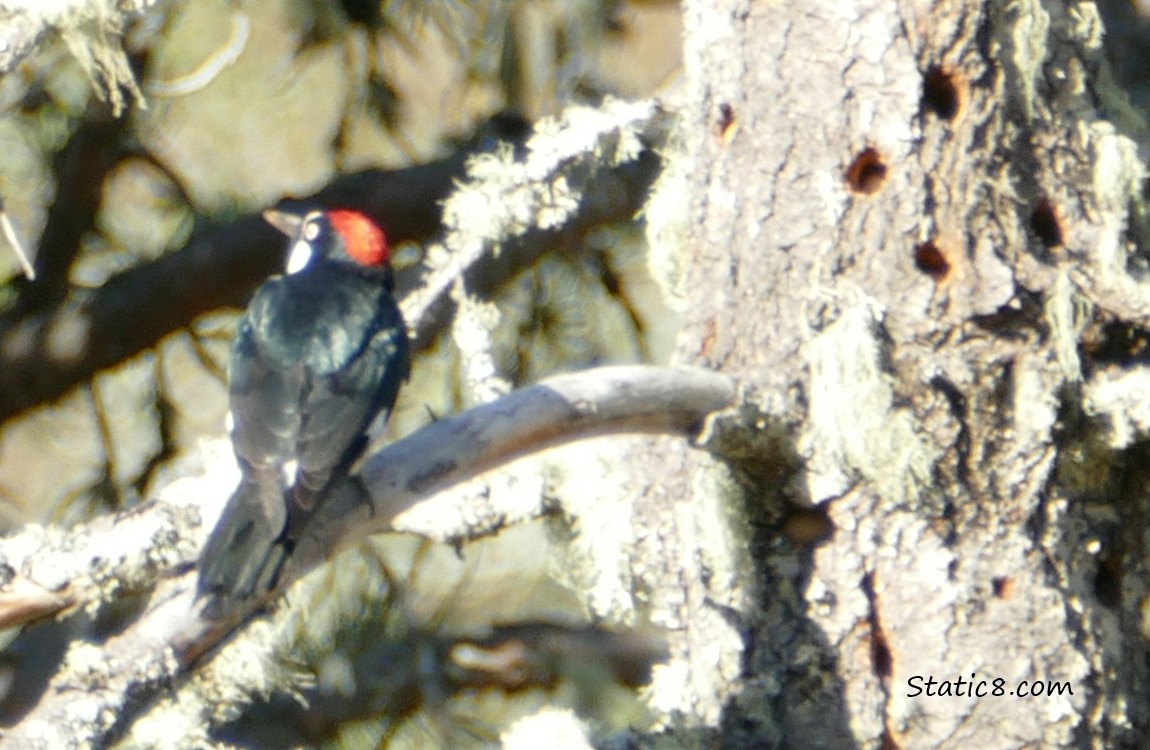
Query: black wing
{"points": [[340, 406], [244, 549], [304, 389]]}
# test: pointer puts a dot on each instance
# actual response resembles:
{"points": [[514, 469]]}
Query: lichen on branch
{"points": [[92, 29]]}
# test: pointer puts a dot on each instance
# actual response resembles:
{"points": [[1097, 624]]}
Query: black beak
{"points": [[286, 222]]}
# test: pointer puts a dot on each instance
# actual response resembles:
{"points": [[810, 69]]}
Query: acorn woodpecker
{"points": [[320, 353]]}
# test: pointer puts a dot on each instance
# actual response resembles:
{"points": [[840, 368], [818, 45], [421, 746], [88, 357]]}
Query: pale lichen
{"points": [[92, 30], [854, 430]]}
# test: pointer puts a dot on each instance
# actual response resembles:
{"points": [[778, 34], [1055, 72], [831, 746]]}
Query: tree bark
{"points": [[913, 232], [906, 224]]}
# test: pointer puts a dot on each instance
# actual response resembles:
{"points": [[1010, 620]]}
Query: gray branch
{"points": [[92, 695]]}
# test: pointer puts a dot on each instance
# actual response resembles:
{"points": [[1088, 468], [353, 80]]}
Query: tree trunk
{"points": [[914, 230], [915, 233]]}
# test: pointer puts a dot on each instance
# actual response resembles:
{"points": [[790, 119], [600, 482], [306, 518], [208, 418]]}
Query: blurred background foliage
{"points": [[249, 102], [314, 89]]}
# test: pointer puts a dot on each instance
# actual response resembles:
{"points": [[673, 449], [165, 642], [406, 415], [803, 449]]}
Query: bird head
{"points": [[336, 236]]}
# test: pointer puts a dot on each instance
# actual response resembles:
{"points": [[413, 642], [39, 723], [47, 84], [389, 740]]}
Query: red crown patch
{"points": [[364, 240]]}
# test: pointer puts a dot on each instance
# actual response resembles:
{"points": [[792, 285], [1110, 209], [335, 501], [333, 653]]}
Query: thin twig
{"points": [[13, 241]]}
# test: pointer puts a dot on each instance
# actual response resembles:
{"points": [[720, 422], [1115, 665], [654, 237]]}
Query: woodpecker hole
{"points": [[1116, 343], [888, 742], [929, 259], [807, 526], [1003, 587], [727, 124], [1044, 222], [867, 172], [940, 93], [1108, 583], [882, 663], [881, 660]]}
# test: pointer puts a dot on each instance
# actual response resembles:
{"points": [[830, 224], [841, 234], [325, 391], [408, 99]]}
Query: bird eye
{"points": [[311, 231]]}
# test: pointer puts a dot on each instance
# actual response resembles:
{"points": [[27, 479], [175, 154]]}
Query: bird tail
{"points": [[246, 551]]}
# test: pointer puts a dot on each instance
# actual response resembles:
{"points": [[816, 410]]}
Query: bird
{"points": [[320, 353]]}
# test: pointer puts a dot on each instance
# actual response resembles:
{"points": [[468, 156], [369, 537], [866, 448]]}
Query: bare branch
{"points": [[48, 571], [603, 401], [94, 694]]}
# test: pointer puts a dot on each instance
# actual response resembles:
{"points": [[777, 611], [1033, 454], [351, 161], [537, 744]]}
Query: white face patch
{"points": [[299, 257]]}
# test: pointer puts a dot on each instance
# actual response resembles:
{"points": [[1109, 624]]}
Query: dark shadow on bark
{"points": [[787, 701], [1102, 547]]}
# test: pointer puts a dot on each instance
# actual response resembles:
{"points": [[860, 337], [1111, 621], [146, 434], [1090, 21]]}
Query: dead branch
{"points": [[101, 685]]}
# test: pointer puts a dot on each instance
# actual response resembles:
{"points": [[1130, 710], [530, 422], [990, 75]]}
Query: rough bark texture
{"points": [[913, 231], [902, 217]]}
